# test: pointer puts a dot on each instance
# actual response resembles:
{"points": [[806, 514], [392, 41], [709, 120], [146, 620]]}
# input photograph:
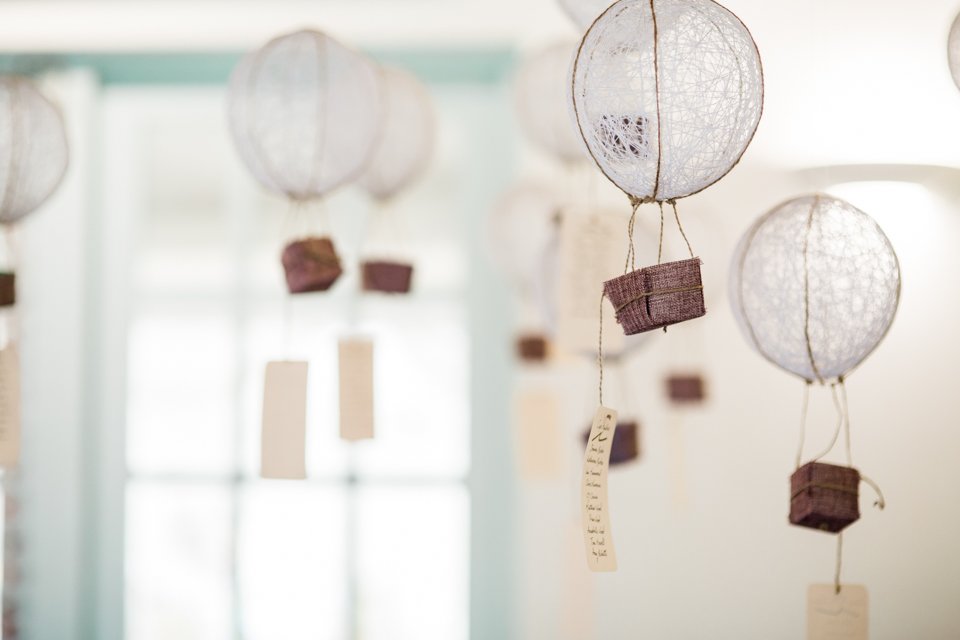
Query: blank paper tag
{"points": [[837, 616], [9, 408], [356, 389], [593, 494], [591, 251], [537, 428], [283, 434]]}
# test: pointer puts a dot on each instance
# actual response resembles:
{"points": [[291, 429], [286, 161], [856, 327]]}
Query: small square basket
{"points": [[310, 264], [657, 296], [532, 347], [8, 289], [686, 388], [824, 496], [387, 277]]}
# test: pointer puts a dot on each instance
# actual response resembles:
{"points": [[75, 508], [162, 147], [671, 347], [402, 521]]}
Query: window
{"points": [[374, 543]]}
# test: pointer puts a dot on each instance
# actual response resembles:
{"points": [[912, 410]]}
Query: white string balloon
{"points": [[408, 135], [815, 285], [541, 90], [305, 113], [33, 148], [953, 50], [667, 94]]}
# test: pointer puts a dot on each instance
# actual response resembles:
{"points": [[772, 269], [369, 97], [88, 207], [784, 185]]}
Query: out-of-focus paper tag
{"points": [[9, 408], [356, 389], [837, 616], [537, 429], [591, 251], [284, 428], [593, 494]]}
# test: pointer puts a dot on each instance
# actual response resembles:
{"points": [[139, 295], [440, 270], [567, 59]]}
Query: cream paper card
{"points": [[9, 408], [592, 249], [837, 616], [593, 495], [356, 388], [284, 427]]}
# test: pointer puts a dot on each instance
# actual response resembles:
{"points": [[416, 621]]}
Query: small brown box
{"points": [[686, 388], [8, 289], [310, 264], [532, 348], [657, 296], [386, 277], [626, 442], [824, 496]]}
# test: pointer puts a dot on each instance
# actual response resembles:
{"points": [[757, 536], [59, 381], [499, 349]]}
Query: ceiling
{"points": [[849, 81]]}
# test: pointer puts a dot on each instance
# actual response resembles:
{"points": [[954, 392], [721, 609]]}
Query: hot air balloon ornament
{"points": [[815, 286], [403, 152], [305, 115]]}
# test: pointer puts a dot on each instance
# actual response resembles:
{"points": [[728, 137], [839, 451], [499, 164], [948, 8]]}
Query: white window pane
{"points": [[181, 392], [420, 391], [292, 562], [414, 558], [178, 562]]}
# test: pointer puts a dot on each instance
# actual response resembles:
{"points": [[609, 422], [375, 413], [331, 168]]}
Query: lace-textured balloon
{"points": [[814, 286], [33, 148], [305, 113], [667, 95]]}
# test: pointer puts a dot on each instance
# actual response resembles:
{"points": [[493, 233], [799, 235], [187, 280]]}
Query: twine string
{"points": [[840, 422], [630, 264], [660, 248], [658, 292], [803, 420], [600, 349], [676, 215], [806, 289], [836, 575], [846, 417]]}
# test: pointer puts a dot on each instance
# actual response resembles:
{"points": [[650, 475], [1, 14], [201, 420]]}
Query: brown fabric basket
{"points": [[386, 277], [626, 442], [824, 496], [8, 289], [310, 264], [532, 348], [657, 296], [686, 388]]}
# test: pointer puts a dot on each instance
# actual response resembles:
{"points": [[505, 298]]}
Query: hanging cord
{"points": [[676, 215], [846, 418], [840, 422], [660, 248], [600, 349], [836, 574], [631, 264], [803, 420]]}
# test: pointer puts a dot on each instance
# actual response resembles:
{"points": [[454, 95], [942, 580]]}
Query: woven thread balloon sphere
{"points": [[667, 94], [815, 285], [407, 137], [541, 90], [33, 148], [305, 113], [953, 50]]}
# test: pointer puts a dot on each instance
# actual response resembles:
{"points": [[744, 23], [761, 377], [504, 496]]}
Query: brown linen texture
{"points": [[310, 264], [8, 289], [641, 308], [532, 348], [386, 277], [686, 388], [824, 496]]}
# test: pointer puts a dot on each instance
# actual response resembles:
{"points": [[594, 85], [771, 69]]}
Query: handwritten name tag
{"points": [[837, 616], [284, 427], [9, 408], [593, 492], [356, 388]]}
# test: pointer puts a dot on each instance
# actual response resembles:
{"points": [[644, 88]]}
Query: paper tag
{"points": [[593, 492], [284, 428], [837, 616], [591, 251], [537, 428], [9, 408], [356, 389]]}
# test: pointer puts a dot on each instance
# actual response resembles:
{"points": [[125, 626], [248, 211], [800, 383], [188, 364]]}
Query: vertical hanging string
{"points": [[630, 264], [836, 574], [676, 215], [840, 422], [806, 289], [600, 349], [660, 249], [846, 418], [803, 420]]}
